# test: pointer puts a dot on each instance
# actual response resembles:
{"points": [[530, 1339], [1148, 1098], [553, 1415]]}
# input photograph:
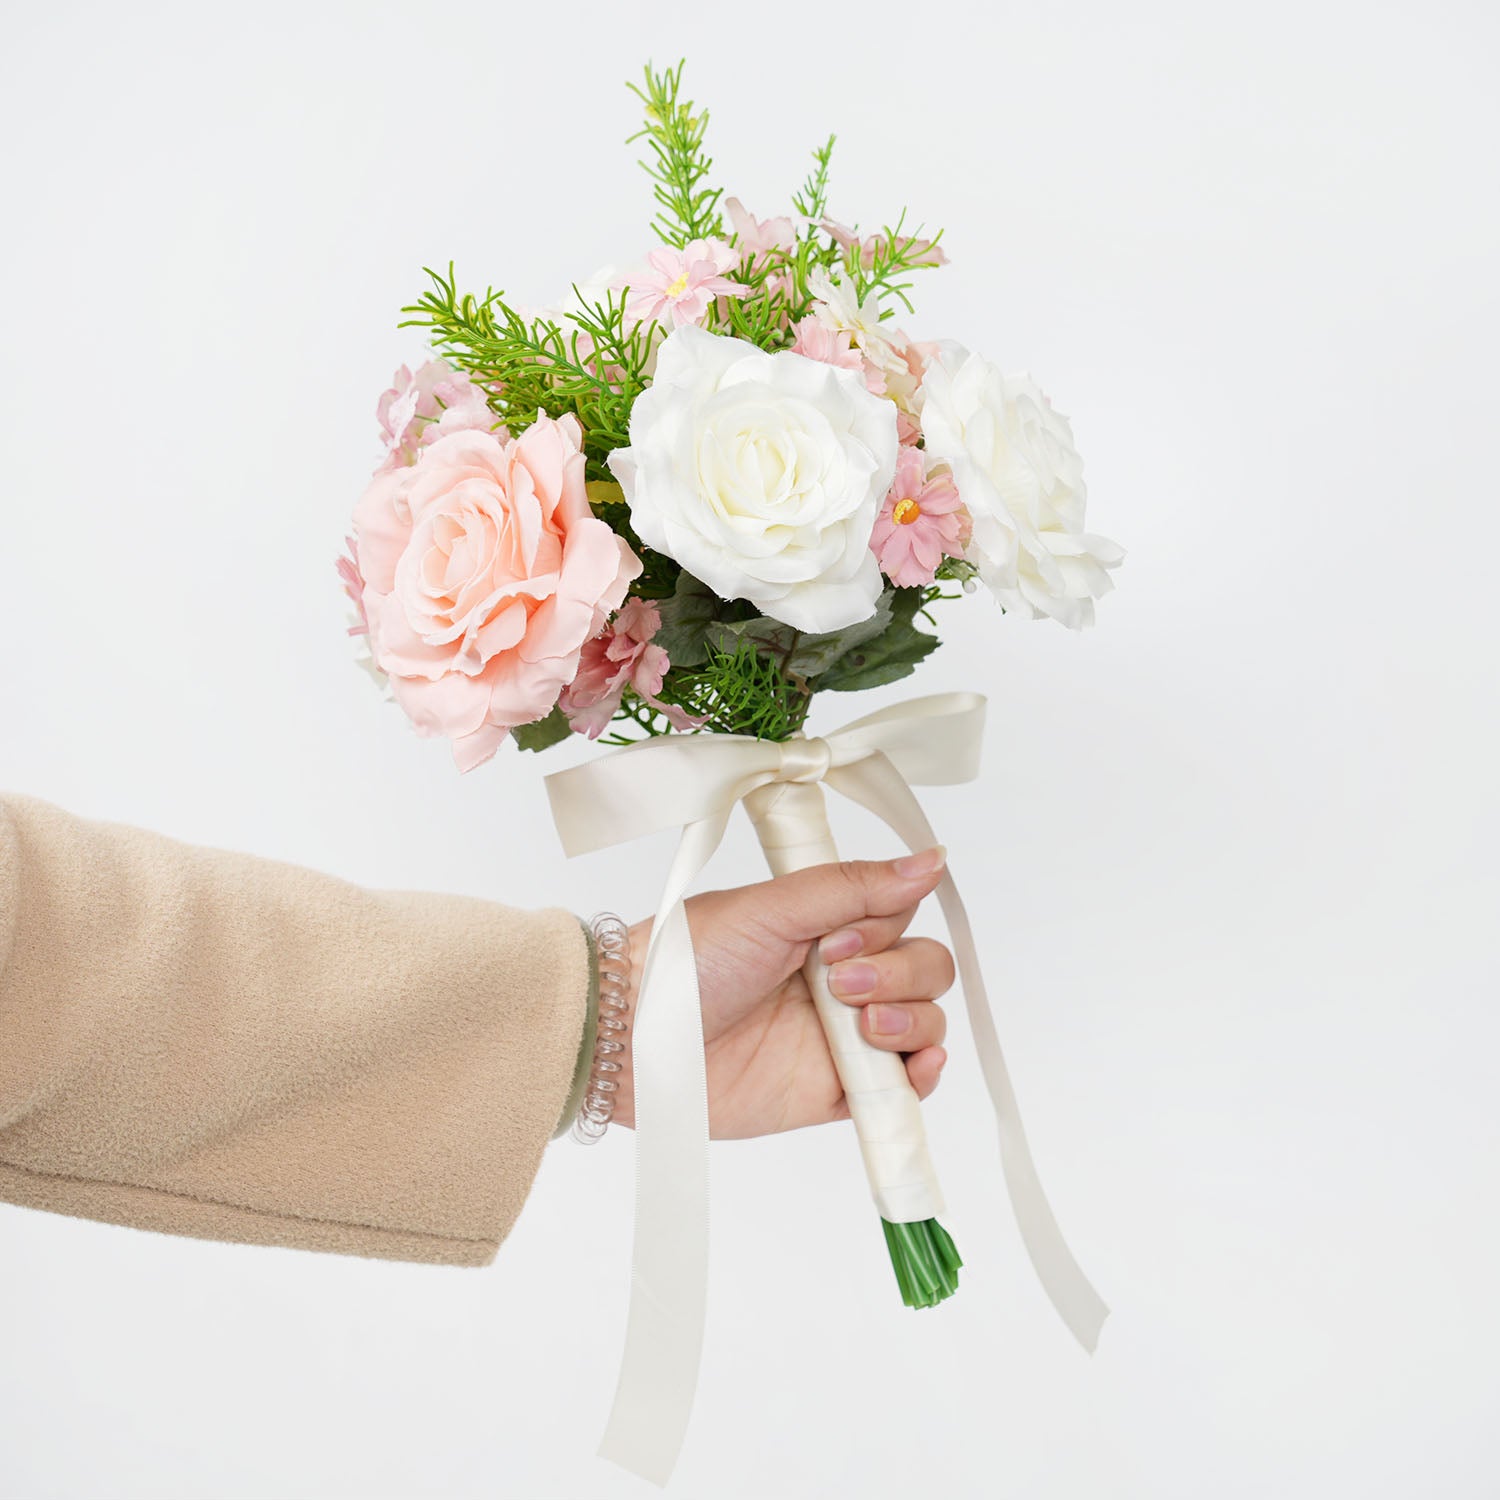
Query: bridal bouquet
{"points": [[684, 501]]}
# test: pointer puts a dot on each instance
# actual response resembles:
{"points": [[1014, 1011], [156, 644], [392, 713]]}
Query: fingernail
{"points": [[888, 1020], [852, 979], [915, 866], [842, 944]]}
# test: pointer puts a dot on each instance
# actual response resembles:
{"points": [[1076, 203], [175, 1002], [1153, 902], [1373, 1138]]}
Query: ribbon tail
{"points": [[877, 785], [669, 1264]]}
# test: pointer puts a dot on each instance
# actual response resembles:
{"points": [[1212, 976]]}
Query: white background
{"points": [[1233, 854]]}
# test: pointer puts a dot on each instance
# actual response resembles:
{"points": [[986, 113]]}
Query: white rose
{"points": [[762, 474], [1021, 478]]}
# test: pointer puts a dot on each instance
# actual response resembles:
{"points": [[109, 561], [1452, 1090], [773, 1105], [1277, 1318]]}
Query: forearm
{"points": [[210, 1043]]}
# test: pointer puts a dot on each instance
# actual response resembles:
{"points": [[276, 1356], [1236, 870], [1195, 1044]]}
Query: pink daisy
{"points": [[754, 236], [922, 252], [921, 522], [682, 283]]}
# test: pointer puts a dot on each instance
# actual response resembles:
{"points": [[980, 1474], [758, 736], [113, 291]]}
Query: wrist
{"points": [[637, 938]]}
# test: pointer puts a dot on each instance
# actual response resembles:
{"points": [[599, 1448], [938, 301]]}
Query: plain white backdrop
{"points": [[1233, 856]]}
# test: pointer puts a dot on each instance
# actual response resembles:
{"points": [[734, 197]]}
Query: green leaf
{"points": [[775, 638], [685, 617], [887, 657], [678, 164], [815, 654], [742, 690], [956, 570], [813, 199], [543, 734], [591, 364]]}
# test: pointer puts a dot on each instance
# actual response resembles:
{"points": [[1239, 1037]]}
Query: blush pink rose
{"points": [[623, 657], [485, 573]]}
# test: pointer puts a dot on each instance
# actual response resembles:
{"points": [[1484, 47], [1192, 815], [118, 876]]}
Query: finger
{"points": [[903, 1025], [915, 969], [810, 903], [925, 1068], [873, 935]]}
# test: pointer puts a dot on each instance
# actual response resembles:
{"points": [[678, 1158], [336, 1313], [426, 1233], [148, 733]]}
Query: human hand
{"points": [[769, 1067]]}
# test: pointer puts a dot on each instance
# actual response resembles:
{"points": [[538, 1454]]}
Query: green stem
{"points": [[925, 1259]]}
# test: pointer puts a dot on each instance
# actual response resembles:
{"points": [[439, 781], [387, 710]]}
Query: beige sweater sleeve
{"points": [[213, 1044]]}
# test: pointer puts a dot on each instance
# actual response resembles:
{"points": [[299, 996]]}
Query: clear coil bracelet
{"points": [[611, 940]]}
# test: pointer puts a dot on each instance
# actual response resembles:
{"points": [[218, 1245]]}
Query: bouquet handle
{"points": [[791, 821]]}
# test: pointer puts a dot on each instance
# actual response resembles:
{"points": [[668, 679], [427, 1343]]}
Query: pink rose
{"points": [[620, 658], [485, 572]]}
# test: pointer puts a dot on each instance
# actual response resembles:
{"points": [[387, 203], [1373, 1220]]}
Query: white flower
{"points": [[761, 474], [1020, 476], [837, 306]]}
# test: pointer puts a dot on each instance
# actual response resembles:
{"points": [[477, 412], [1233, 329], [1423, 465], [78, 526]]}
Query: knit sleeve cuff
{"points": [[585, 1057]]}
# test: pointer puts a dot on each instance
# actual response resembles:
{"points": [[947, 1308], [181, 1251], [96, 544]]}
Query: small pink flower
{"points": [[619, 658], [485, 572], [419, 409], [682, 283], [835, 346], [921, 522], [923, 252], [754, 236], [354, 585]]}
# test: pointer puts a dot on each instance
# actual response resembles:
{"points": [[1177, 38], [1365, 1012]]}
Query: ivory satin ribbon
{"points": [[791, 820], [694, 782]]}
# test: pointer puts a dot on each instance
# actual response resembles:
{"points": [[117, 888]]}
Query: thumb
{"points": [[809, 903]]}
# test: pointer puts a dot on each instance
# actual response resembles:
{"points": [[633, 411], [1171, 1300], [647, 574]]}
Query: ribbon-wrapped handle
{"points": [[693, 782], [791, 821]]}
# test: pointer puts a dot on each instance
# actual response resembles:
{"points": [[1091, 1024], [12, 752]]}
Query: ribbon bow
{"points": [[694, 782]]}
